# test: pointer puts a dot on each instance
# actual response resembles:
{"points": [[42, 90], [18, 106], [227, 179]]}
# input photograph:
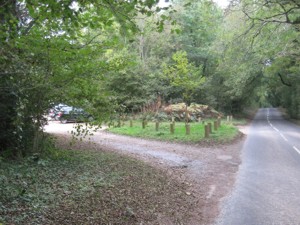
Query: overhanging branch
{"points": [[282, 80]]}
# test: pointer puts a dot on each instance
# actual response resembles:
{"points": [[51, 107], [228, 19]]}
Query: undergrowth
{"points": [[86, 187]]}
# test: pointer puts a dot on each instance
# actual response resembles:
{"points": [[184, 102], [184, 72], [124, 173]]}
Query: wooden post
{"points": [[227, 119], [156, 125], [143, 124], [172, 128], [130, 123], [206, 131], [187, 129], [219, 122], [209, 128], [173, 121], [215, 125]]}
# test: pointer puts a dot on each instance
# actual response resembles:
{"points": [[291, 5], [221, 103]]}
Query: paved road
{"points": [[267, 189]]}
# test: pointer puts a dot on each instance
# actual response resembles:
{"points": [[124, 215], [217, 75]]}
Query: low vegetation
{"points": [[87, 187], [225, 133]]}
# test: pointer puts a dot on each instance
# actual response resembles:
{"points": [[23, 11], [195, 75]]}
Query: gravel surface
{"points": [[209, 172]]}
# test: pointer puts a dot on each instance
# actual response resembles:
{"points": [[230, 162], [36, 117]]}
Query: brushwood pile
{"points": [[181, 112]]}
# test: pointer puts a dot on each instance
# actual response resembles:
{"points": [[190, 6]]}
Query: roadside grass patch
{"points": [[225, 133], [239, 122], [87, 187]]}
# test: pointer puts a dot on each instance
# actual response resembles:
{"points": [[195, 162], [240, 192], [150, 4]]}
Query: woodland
{"points": [[111, 56]]}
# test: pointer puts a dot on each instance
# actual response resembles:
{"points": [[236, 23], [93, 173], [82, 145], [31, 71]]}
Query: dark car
{"points": [[72, 114], [53, 113]]}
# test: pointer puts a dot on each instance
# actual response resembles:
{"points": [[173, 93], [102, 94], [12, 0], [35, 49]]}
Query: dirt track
{"points": [[209, 172]]}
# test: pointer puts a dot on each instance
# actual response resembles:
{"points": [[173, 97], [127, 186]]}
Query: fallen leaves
{"points": [[85, 187]]}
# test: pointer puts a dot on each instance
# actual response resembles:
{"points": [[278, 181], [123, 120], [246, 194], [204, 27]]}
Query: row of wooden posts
{"points": [[208, 128]]}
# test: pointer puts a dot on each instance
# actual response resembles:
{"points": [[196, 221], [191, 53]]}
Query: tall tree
{"points": [[198, 22], [184, 75], [47, 55]]}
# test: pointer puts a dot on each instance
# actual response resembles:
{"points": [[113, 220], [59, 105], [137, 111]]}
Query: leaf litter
{"points": [[89, 187]]}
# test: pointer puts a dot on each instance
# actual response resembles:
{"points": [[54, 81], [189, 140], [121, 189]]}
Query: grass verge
{"points": [[288, 117], [88, 187], [225, 133]]}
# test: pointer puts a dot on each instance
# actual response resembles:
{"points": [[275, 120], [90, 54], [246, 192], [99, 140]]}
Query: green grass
{"points": [[85, 187], [226, 132], [240, 122]]}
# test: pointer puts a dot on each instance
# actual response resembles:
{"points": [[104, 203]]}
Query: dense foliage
{"points": [[272, 28], [122, 56], [54, 52]]}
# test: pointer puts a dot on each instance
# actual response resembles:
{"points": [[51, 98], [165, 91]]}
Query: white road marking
{"points": [[284, 138], [296, 149]]}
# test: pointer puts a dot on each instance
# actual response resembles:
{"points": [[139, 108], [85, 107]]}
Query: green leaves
{"points": [[53, 52], [184, 75]]}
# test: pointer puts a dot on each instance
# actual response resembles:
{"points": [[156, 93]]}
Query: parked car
{"points": [[53, 113], [65, 113]]}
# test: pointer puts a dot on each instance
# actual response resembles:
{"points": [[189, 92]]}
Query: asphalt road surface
{"points": [[267, 190]]}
